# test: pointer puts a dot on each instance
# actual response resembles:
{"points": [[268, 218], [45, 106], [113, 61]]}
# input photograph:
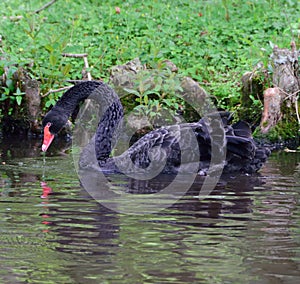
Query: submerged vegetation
{"points": [[214, 42]]}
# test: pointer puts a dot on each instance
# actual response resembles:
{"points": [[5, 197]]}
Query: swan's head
{"points": [[53, 122]]}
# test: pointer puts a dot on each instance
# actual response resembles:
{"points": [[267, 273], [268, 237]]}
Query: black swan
{"points": [[171, 144]]}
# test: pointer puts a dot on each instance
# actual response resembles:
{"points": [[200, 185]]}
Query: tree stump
{"points": [[22, 117], [272, 112], [252, 90], [32, 102], [281, 102]]}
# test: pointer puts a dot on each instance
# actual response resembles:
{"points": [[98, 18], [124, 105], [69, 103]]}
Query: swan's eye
{"points": [[48, 124]]}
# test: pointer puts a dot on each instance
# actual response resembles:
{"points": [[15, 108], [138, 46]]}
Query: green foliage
{"points": [[214, 42], [283, 131], [11, 96], [18, 96], [156, 95]]}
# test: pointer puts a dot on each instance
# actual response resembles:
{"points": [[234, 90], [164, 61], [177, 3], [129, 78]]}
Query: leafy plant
{"points": [[156, 95], [18, 96], [10, 94], [210, 41]]}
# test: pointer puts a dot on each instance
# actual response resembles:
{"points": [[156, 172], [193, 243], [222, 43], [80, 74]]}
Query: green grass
{"points": [[212, 41]]}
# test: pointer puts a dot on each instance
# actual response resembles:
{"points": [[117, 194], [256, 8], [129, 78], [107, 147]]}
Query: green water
{"points": [[53, 231]]}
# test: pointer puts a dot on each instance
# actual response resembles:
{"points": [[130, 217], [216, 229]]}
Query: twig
{"points": [[288, 96], [75, 55], [16, 18], [44, 7], [85, 60], [297, 111], [86, 65], [56, 91], [74, 81], [13, 18]]}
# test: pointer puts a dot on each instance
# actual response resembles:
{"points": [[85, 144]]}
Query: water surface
{"points": [[53, 231]]}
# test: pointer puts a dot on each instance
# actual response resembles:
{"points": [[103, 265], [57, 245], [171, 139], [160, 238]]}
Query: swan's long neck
{"points": [[110, 108], [108, 129], [70, 100]]}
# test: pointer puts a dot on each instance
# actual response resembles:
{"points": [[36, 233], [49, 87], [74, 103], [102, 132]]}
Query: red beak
{"points": [[48, 137]]}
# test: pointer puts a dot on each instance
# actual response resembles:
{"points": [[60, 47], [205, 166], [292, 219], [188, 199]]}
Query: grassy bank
{"points": [[214, 41]]}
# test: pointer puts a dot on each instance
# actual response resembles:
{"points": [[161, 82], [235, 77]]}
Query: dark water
{"points": [[53, 231]]}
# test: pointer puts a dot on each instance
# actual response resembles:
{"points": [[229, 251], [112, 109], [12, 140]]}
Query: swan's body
{"points": [[177, 145]]}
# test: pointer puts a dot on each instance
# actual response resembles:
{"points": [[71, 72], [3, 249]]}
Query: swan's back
{"points": [[189, 143]]}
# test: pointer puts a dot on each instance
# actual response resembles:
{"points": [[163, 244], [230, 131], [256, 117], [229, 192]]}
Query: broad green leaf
{"points": [[53, 59], [132, 91], [66, 69], [19, 100]]}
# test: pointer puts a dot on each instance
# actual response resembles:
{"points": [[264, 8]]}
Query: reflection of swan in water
{"points": [[163, 144]]}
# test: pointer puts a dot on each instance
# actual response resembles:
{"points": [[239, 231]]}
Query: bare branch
{"points": [[86, 63], [74, 81], [76, 55], [16, 18], [13, 18], [56, 91], [297, 111], [45, 6]]}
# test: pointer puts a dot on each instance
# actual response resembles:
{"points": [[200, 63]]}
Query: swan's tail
{"points": [[243, 154]]}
